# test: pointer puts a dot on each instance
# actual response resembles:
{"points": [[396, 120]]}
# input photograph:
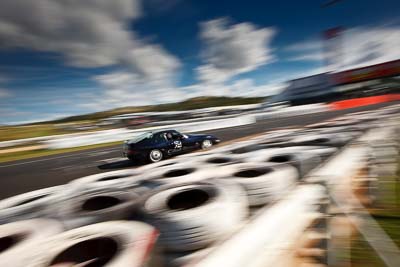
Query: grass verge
{"points": [[388, 217]]}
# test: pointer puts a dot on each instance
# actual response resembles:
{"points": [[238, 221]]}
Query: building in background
{"points": [[326, 87]]}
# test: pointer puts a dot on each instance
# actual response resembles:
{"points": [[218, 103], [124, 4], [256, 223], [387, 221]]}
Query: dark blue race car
{"points": [[155, 146]]}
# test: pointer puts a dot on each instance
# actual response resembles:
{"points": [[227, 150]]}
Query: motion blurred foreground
{"points": [[322, 195]]}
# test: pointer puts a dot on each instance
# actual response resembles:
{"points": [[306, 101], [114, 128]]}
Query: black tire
{"points": [[155, 155]]}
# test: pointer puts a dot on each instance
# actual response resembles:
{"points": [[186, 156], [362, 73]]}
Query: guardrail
{"points": [[123, 134], [292, 111]]}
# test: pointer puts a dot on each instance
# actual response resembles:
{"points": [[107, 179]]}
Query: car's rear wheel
{"points": [[155, 155], [206, 144]]}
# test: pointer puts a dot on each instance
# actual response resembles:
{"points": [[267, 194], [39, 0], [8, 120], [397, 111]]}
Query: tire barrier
{"points": [[333, 123], [185, 158], [111, 244], [324, 152], [97, 205], [275, 134], [19, 239], [176, 174], [352, 131], [264, 183], [303, 161], [122, 179], [29, 205], [219, 159], [336, 140], [239, 148], [186, 215]]}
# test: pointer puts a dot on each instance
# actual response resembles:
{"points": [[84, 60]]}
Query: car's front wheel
{"points": [[155, 155], [206, 144]]}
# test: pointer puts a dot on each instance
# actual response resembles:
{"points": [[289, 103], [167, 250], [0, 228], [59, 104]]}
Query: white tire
{"points": [[303, 161], [336, 140], [186, 214], [97, 206], [29, 205], [122, 179], [275, 134], [19, 239], [111, 244], [264, 183], [218, 159], [178, 173], [148, 170], [322, 151]]}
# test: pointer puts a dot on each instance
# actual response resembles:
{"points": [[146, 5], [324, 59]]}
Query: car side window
{"points": [[176, 136], [159, 138], [169, 136]]}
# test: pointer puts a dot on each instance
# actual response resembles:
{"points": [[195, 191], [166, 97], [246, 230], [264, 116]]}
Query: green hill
{"points": [[192, 103]]}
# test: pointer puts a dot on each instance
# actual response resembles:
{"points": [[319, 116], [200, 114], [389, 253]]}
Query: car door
{"points": [[189, 143], [174, 140]]}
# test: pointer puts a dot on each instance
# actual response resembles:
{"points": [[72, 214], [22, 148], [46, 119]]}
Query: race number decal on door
{"points": [[178, 144]]}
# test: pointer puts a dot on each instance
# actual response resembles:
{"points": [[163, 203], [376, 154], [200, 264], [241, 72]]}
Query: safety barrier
{"points": [[123, 134], [364, 101], [292, 111]]}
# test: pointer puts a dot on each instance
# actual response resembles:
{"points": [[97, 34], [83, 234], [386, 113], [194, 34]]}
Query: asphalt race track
{"points": [[25, 175]]}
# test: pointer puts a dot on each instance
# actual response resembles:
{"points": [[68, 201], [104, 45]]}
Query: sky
{"points": [[66, 57]]}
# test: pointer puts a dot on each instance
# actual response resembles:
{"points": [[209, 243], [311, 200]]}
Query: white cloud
{"points": [[233, 49], [367, 46], [122, 88], [229, 50], [90, 33], [356, 47]]}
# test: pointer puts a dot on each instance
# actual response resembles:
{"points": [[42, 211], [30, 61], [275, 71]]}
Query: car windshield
{"points": [[140, 137]]}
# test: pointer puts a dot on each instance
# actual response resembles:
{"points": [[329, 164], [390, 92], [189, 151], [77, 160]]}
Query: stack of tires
{"points": [[97, 205], [176, 174], [111, 244], [123, 179], [19, 240], [304, 160], [263, 183], [30, 205], [193, 216]]}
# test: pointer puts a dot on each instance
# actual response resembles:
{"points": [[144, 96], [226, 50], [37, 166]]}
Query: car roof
{"points": [[164, 131]]}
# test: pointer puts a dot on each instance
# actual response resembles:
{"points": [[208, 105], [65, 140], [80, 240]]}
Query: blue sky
{"points": [[74, 57]]}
